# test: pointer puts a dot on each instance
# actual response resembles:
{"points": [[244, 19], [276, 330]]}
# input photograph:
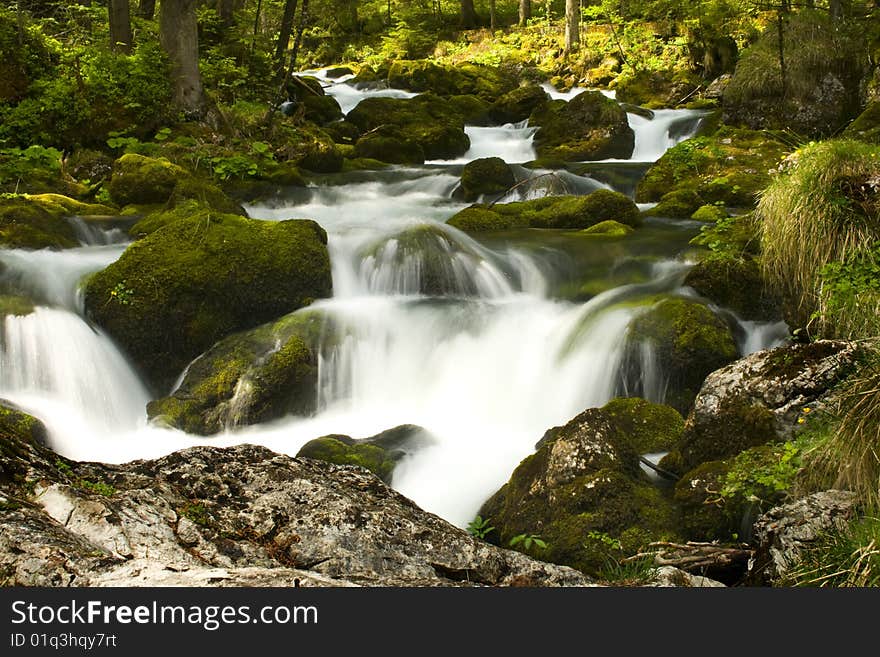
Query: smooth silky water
{"points": [[486, 343]]}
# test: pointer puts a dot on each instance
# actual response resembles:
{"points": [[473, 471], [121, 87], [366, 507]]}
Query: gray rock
{"points": [[784, 531], [669, 576], [241, 516]]}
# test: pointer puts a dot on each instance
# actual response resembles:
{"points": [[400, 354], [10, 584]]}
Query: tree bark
{"points": [[572, 25], [492, 15], [179, 36], [468, 14], [525, 11], [226, 11], [147, 9], [285, 31], [119, 16]]}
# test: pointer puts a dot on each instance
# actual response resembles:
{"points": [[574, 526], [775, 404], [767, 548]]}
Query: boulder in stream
{"points": [[486, 175], [174, 293], [518, 105], [40, 221]]}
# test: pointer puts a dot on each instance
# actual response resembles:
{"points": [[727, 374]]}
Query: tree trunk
{"points": [[303, 19], [525, 11], [226, 11], [468, 15], [285, 31], [147, 9], [492, 15], [572, 25], [120, 26], [179, 36]]}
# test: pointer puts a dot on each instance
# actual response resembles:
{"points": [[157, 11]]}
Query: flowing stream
{"points": [[485, 343]]}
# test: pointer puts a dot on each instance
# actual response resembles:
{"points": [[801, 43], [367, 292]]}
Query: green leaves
{"points": [[527, 541], [479, 527]]}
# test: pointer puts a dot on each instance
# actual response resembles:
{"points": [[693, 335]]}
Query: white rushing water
{"points": [[349, 96], [429, 327]]}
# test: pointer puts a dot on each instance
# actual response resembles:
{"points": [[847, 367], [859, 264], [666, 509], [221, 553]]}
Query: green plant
{"points": [[763, 474], [479, 527], [848, 557], [121, 294], [526, 541], [98, 487], [629, 572]]}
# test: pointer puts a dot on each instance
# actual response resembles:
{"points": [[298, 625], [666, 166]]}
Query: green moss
{"points": [[342, 450], [26, 223], [737, 284], [97, 487], [487, 82], [709, 213], [518, 105], [202, 277], [478, 219], [705, 514], [656, 89], [689, 340], [588, 127], [142, 180], [488, 175], [197, 513], [390, 146], [15, 306], [648, 427], [307, 146], [608, 228], [677, 204], [472, 109], [866, 126]]}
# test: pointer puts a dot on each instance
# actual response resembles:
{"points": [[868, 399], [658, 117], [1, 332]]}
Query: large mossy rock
{"points": [[240, 516], [390, 145], [735, 284], [487, 82], [487, 175], [247, 378], [760, 398], [826, 63], [866, 127], [656, 89], [588, 127], [179, 290], [379, 454], [688, 342], [584, 481], [648, 427], [573, 212], [305, 145], [426, 121], [729, 167], [518, 105], [15, 306], [39, 221]]}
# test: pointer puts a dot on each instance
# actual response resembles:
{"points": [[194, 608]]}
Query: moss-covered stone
{"points": [[705, 514], [487, 82], [729, 168], [28, 223], [379, 454], [487, 175], [426, 121], [709, 213], [472, 109], [866, 126], [15, 306], [174, 293], [306, 146], [656, 89], [518, 105], [86, 164], [583, 481], [588, 127], [736, 284], [648, 427], [689, 342], [18, 426], [343, 132], [390, 146], [576, 212], [139, 179], [608, 228], [247, 378], [321, 109]]}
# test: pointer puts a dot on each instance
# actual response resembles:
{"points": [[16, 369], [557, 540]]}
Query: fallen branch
{"points": [[695, 556]]}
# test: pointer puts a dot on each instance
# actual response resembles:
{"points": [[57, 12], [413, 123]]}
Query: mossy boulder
{"points": [[608, 229], [705, 514], [574, 212], [688, 341], [91, 165], [487, 82], [343, 132], [656, 89], [307, 146], [141, 180], [584, 480], [518, 105], [174, 293], [426, 121], [735, 283], [28, 223], [15, 306], [729, 167], [472, 109], [709, 213], [487, 175], [247, 378], [16, 426], [866, 127], [379, 454], [760, 398], [388, 144], [588, 127], [648, 427]]}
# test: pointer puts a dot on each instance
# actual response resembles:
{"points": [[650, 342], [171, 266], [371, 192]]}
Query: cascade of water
{"points": [[349, 96]]}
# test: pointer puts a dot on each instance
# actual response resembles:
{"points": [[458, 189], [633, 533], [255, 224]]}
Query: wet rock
{"points": [[669, 576], [866, 126], [487, 175], [518, 105], [241, 516], [39, 221], [735, 284], [588, 127], [487, 82], [784, 531]]}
